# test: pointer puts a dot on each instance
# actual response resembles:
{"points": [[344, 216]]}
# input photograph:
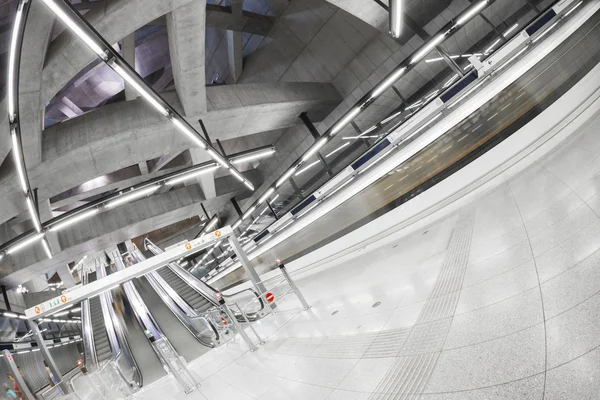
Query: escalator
{"points": [[100, 336], [202, 296]]}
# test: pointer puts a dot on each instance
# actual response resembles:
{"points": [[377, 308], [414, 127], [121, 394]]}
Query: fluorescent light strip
{"points": [[24, 243], [18, 161], [191, 175], [471, 13], [312, 164], [286, 176], [449, 81], [385, 85], [145, 94], [313, 150], [430, 60], [33, 213], [345, 121], [238, 223], [395, 10], [218, 158], [492, 46], [78, 217], [132, 196], [46, 247], [338, 149], [573, 9], [273, 199], [415, 105], [359, 137], [213, 223], [263, 211], [237, 175], [391, 117], [10, 315], [250, 211], [432, 43], [188, 132], [509, 30], [545, 32], [12, 67], [432, 95], [266, 195], [249, 185], [66, 19], [251, 157]]}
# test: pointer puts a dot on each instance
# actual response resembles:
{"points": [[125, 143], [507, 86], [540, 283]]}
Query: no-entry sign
{"points": [[270, 297]]}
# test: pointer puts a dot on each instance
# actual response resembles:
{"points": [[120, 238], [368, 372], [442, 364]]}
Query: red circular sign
{"points": [[270, 297]]}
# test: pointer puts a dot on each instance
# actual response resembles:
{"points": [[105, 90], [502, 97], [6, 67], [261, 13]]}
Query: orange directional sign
{"points": [[218, 233], [188, 246], [63, 299]]}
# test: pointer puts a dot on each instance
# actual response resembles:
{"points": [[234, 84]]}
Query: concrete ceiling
{"points": [[247, 68]]}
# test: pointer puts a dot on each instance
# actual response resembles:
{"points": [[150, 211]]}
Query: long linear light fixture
{"points": [[379, 89], [72, 217], [82, 29], [395, 18]]}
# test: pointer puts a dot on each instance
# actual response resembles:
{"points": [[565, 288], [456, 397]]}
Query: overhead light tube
{"points": [[432, 43], [249, 185], [46, 247], [132, 196], [12, 59], [250, 211], [286, 176], [18, 160], [70, 23], [78, 217], [509, 30], [471, 13], [346, 120], [191, 175], [24, 243], [313, 150], [188, 132], [145, 93], [395, 11], [309, 166], [386, 84], [212, 223], [266, 195], [338, 149], [33, 213], [250, 157]]}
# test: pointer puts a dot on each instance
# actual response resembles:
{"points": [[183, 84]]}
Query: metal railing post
{"points": [[235, 323], [250, 325], [33, 326], [286, 275], [16, 374]]}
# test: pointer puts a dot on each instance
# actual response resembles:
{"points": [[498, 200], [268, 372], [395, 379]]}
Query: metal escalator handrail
{"points": [[174, 302], [199, 286], [113, 327], [87, 331]]}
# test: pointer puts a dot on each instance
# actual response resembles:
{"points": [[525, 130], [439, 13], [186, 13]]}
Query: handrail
{"points": [[204, 289], [182, 310]]}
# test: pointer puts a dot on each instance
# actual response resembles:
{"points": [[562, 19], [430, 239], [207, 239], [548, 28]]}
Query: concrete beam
{"points": [[123, 134], [206, 181], [67, 55], [278, 6], [117, 225], [367, 10], [186, 28], [35, 44], [235, 46], [222, 17], [128, 53]]}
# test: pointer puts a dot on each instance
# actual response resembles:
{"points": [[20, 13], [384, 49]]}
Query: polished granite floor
{"points": [[497, 301]]}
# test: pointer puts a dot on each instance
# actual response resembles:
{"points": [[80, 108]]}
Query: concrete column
{"points": [[45, 215], [241, 256], [33, 326], [128, 50], [235, 45], [66, 276], [186, 28], [207, 180]]}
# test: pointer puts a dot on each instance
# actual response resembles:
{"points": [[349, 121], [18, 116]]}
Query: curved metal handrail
{"points": [[204, 289]]}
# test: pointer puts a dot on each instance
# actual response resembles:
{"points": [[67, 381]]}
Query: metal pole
{"points": [[241, 255], [249, 324], [14, 371], [237, 325], [286, 275], [5, 296], [47, 356]]}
